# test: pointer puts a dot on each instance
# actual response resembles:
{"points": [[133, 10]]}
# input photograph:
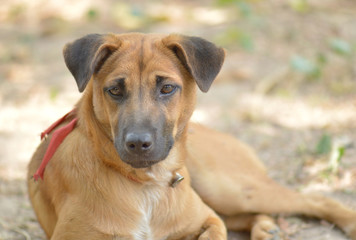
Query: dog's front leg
{"points": [[73, 224], [213, 229]]}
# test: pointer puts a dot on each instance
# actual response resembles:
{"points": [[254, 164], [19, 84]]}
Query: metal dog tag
{"points": [[176, 180]]}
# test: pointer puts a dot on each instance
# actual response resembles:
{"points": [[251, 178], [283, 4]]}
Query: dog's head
{"points": [[143, 87]]}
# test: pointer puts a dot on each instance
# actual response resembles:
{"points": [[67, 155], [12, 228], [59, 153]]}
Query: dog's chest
{"points": [[149, 200], [134, 212]]}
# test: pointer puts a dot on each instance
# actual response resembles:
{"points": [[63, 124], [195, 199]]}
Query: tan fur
{"points": [[87, 191]]}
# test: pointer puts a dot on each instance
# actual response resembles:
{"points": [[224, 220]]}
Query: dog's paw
{"points": [[266, 229], [206, 236], [213, 233], [213, 229]]}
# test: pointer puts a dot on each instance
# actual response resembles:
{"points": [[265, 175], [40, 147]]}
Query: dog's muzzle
{"points": [[141, 149]]}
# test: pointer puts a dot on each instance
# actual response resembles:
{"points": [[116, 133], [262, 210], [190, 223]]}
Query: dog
{"points": [[126, 163]]}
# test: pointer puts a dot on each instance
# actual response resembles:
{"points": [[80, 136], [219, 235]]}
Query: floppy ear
{"points": [[201, 58], [85, 56]]}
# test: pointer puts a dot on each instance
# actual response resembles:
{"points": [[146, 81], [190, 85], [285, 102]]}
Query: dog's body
{"points": [[111, 178]]}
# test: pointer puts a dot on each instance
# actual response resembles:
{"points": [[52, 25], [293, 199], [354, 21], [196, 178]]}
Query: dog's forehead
{"points": [[138, 37], [139, 40], [142, 47], [143, 52]]}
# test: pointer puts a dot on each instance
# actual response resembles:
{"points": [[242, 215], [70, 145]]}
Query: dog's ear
{"points": [[85, 56], [201, 58]]}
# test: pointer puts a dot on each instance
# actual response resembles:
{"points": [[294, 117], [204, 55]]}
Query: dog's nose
{"points": [[138, 143]]}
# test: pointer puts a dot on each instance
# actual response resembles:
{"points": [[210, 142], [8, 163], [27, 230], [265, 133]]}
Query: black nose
{"points": [[138, 143]]}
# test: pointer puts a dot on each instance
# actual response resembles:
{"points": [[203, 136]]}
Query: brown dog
{"points": [[117, 174]]}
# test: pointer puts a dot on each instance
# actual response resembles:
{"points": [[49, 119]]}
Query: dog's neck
{"points": [[167, 172]]}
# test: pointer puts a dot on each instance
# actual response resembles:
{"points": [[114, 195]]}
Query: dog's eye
{"points": [[115, 91], [168, 89]]}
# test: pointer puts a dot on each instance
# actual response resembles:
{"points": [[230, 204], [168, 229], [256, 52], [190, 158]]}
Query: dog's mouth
{"points": [[141, 164], [141, 161]]}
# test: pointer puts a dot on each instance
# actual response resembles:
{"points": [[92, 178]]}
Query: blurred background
{"points": [[288, 88]]}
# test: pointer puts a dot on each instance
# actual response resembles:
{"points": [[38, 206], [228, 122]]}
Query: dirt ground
{"points": [[288, 88]]}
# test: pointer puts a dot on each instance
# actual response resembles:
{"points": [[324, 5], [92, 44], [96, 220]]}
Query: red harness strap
{"points": [[57, 138], [55, 124]]}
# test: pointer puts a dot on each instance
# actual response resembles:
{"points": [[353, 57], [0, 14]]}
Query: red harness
{"points": [[57, 138]]}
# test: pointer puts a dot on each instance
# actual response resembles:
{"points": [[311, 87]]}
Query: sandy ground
{"points": [[257, 98]]}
